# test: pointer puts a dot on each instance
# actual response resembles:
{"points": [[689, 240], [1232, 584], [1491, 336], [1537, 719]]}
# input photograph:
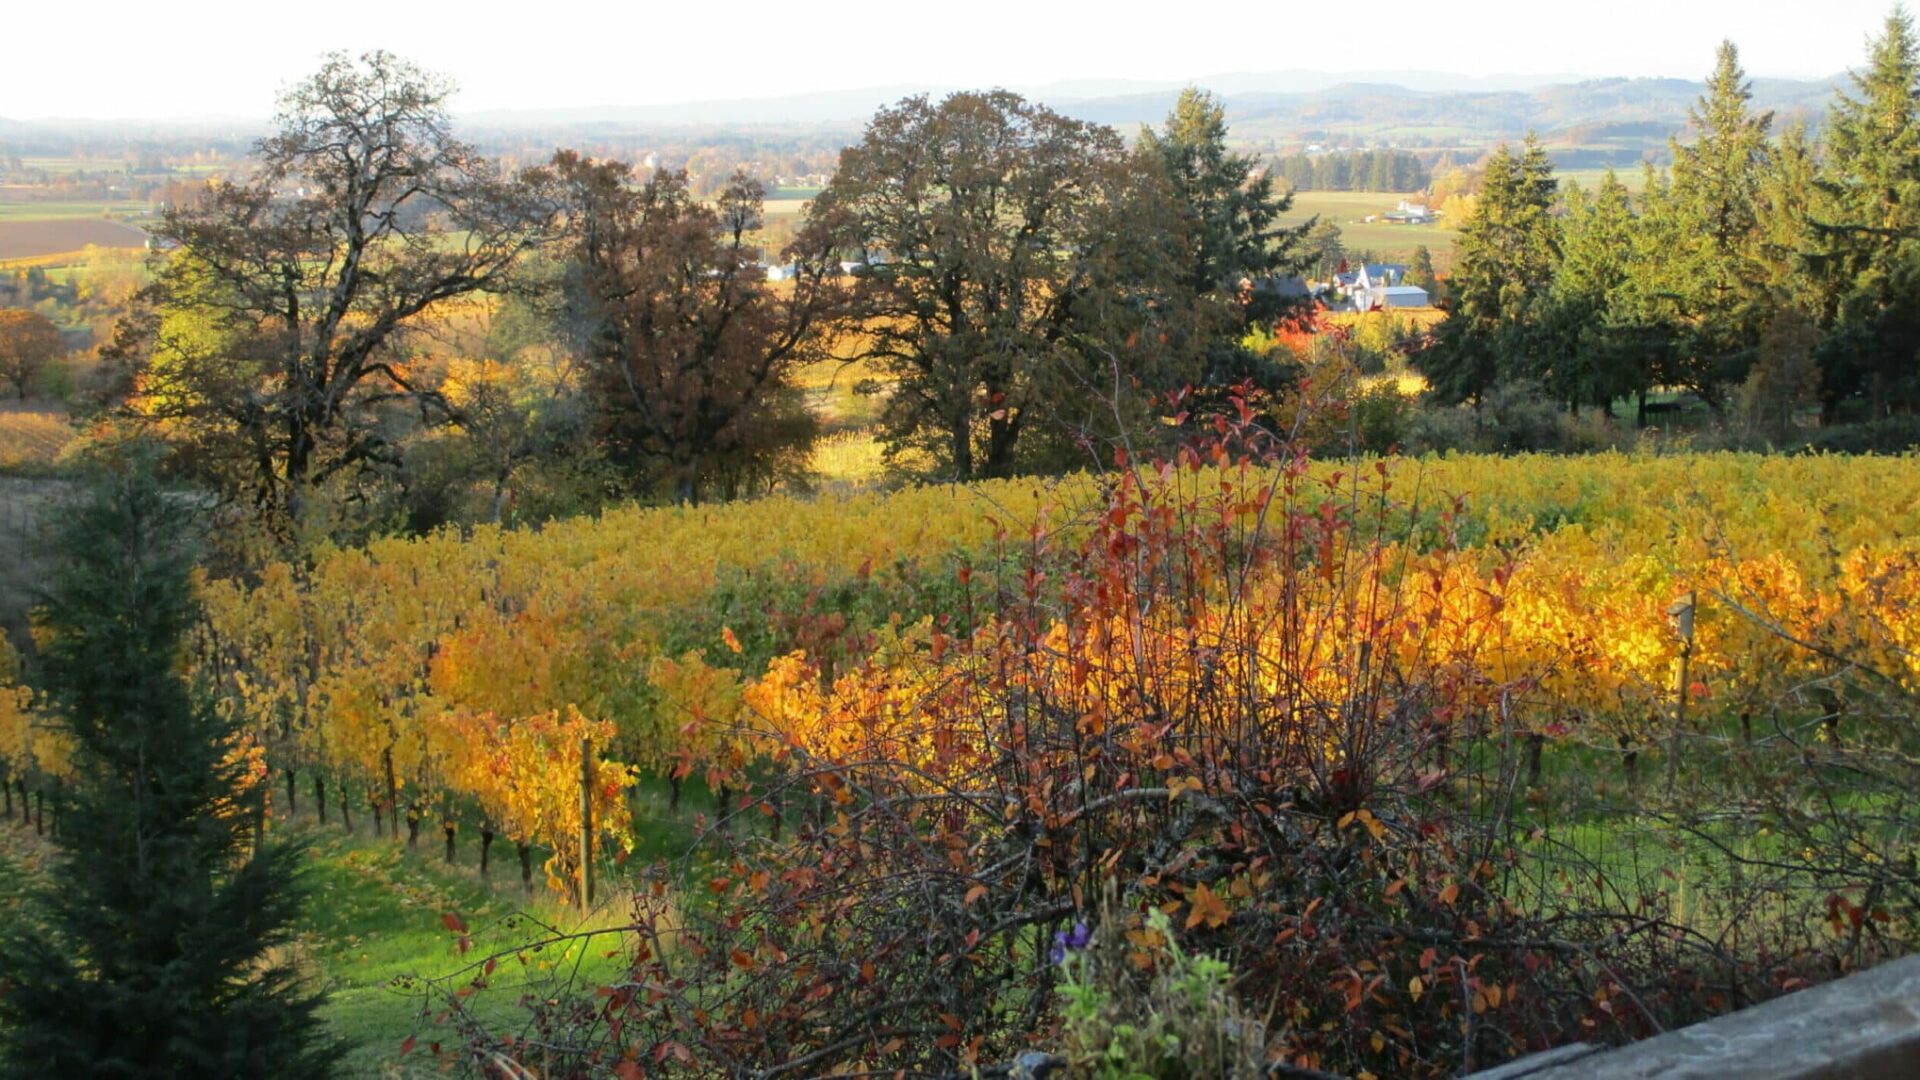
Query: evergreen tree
{"points": [[1420, 271], [1872, 176], [1230, 210], [1505, 258], [146, 952], [1866, 229], [1593, 301], [1324, 250], [1787, 233], [1718, 281]]}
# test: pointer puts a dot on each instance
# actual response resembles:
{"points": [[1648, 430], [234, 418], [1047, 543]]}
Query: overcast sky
{"points": [[108, 58]]}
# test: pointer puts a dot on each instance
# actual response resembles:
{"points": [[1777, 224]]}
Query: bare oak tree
{"points": [[283, 299]]}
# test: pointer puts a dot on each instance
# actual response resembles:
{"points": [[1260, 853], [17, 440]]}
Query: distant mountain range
{"points": [[852, 107], [1276, 102], [1586, 121]]}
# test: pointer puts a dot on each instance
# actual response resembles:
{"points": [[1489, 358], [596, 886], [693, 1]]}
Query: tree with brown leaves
{"points": [[689, 348]]}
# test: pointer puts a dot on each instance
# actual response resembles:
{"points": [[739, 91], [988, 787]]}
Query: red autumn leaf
{"points": [[453, 922], [406, 1046]]}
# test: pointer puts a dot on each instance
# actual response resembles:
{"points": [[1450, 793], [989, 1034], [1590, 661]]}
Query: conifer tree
{"points": [[1506, 256], [1594, 301], [1872, 175], [1713, 216], [1420, 272], [1865, 240], [1230, 211], [147, 952]]}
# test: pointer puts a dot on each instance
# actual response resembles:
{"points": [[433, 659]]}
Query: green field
{"points": [[1349, 209], [54, 210], [1589, 179]]}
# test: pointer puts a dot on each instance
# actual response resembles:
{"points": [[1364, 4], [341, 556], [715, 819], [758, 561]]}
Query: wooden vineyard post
{"points": [[1682, 615], [586, 823]]}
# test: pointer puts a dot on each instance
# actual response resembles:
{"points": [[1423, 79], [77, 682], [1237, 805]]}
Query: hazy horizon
{"points": [[227, 61]]}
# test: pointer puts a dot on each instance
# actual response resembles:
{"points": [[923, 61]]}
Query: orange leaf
{"points": [[726, 635], [453, 922], [973, 894], [743, 959], [1207, 908]]}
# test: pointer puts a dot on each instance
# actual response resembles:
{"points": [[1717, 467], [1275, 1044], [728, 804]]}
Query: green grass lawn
{"points": [[375, 926], [374, 934]]}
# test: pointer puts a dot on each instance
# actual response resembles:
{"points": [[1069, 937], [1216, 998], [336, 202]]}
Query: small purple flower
{"points": [[1066, 941]]}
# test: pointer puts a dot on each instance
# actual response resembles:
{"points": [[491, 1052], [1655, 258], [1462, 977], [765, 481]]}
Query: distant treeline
{"points": [[1354, 170]]}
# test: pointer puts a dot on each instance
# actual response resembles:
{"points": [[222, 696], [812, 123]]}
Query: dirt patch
{"points": [[29, 239]]}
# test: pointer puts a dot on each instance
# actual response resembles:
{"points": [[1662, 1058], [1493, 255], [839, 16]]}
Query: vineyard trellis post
{"points": [[1682, 614], [586, 823]]}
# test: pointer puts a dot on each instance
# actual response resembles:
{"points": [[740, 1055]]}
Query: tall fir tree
{"points": [[1503, 262], [1420, 271], [1866, 231], [1594, 302], [149, 949], [1871, 182], [1716, 277], [1231, 211]]}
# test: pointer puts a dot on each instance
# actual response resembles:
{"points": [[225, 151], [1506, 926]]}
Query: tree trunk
{"points": [[413, 826], [393, 793], [346, 815], [673, 788], [40, 812], [526, 866], [1535, 741], [962, 435], [486, 844], [291, 806], [499, 497], [378, 817], [447, 828], [320, 795], [260, 815]]}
